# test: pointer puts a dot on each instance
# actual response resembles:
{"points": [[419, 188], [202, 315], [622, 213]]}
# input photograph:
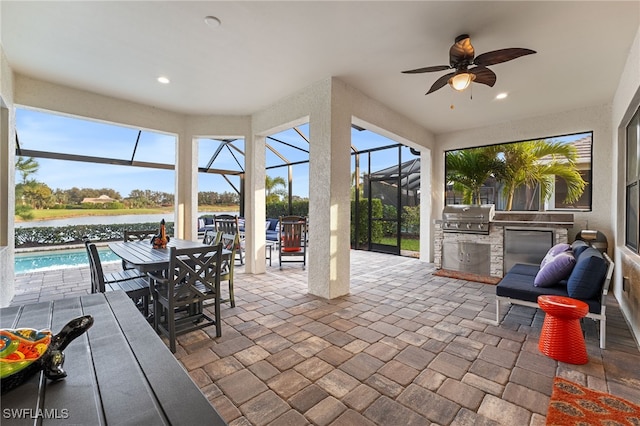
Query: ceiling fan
{"points": [[461, 57]]}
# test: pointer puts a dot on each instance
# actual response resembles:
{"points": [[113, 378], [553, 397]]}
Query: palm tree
{"points": [[26, 167], [469, 169], [271, 184], [538, 163]]}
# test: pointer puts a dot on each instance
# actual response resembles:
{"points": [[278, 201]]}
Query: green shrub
{"points": [[25, 212], [281, 208], [74, 234], [411, 220], [363, 221], [389, 212]]}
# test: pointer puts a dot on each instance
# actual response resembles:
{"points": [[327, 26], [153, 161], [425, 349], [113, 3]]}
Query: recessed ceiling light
{"points": [[163, 80], [212, 21], [501, 95]]}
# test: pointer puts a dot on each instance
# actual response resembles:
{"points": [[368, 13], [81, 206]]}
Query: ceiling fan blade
{"points": [[461, 51], [483, 76], [502, 55], [428, 69], [441, 82]]}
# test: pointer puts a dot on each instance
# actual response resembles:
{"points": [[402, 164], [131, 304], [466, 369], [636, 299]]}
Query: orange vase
{"points": [[160, 241]]}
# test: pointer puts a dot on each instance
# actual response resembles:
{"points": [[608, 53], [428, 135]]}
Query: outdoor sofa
{"points": [[271, 226], [586, 278]]}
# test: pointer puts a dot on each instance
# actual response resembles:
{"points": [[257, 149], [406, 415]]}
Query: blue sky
{"points": [[55, 133]]}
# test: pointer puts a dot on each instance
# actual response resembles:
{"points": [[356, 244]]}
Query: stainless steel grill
{"points": [[467, 219]]}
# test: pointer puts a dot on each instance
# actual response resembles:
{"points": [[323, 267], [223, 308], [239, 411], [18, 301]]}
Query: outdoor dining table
{"points": [[145, 258], [118, 372]]}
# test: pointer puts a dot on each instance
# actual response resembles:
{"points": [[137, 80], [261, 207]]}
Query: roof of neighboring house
{"points": [[101, 199], [583, 148]]}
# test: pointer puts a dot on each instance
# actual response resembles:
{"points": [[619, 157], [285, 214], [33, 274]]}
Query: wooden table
{"points": [[118, 372], [144, 257]]}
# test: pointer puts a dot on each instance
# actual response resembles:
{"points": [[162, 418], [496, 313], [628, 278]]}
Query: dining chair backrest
{"points": [[211, 237], [229, 224], [229, 242], [194, 273], [95, 265], [226, 223], [293, 233], [130, 235], [292, 239]]}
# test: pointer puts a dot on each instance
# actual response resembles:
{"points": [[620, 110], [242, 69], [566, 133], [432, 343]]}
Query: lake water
{"points": [[106, 220]]}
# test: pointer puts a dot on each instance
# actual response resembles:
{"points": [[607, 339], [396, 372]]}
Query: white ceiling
{"points": [[266, 50]]}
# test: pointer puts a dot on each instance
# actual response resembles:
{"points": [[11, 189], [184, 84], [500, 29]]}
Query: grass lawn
{"points": [[409, 244], [64, 213]]}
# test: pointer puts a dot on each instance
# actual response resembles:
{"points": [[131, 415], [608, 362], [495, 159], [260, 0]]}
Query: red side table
{"points": [[561, 336]]}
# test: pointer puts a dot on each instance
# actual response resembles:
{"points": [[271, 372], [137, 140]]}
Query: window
{"points": [[551, 173], [632, 183]]}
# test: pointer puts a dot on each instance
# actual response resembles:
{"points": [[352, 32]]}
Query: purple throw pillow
{"points": [[553, 252], [555, 270]]}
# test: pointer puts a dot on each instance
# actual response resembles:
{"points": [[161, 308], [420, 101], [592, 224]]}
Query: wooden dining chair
{"points": [[229, 242], [192, 278], [131, 235], [228, 224], [292, 240], [136, 287], [211, 237], [122, 275]]}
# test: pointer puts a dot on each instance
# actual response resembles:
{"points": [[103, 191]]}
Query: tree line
{"points": [[33, 194]]}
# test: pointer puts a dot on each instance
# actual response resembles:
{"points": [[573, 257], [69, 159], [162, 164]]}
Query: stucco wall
{"points": [[596, 119], [7, 183], [625, 103]]}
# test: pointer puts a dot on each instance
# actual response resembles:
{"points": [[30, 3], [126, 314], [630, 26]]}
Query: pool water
{"points": [[58, 259]]}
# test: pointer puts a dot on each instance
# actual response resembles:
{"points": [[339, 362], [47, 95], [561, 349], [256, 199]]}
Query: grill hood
{"points": [[467, 218]]}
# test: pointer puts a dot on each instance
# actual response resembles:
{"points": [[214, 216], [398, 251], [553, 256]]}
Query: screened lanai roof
{"points": [[409, 173], [46, 135]]}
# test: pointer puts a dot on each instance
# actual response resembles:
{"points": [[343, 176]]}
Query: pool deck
{"points": [[404, 347]]}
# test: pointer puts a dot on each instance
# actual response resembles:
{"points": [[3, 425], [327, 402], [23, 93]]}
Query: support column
{"points": [[329, 200], [255, 209], [427, 198], [186, 191]]}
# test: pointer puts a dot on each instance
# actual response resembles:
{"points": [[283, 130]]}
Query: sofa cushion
{"points": [[524, 269], [578, 246], [585, 282], [518, 286], [556, 269], [272, 224], [521, 287]]}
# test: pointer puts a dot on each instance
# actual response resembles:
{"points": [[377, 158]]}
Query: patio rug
{"points": [[467, 276], [573, 404]]}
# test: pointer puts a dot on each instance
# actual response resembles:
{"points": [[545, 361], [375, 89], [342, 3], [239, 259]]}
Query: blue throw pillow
{"points": [[586, 279], [555, 270], [578, 246]]}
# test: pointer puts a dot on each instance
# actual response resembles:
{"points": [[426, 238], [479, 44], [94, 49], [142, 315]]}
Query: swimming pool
{"points": [[58, 259]]}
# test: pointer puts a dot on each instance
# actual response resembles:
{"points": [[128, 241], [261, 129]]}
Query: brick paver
{"points": [[403, 347]]}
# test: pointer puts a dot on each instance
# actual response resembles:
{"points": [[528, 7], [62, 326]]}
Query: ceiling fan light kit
{"points": [[461, 81], [461, 57]]}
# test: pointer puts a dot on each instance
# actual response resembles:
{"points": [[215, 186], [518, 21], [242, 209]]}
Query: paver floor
{"points": [[405, 347]]}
